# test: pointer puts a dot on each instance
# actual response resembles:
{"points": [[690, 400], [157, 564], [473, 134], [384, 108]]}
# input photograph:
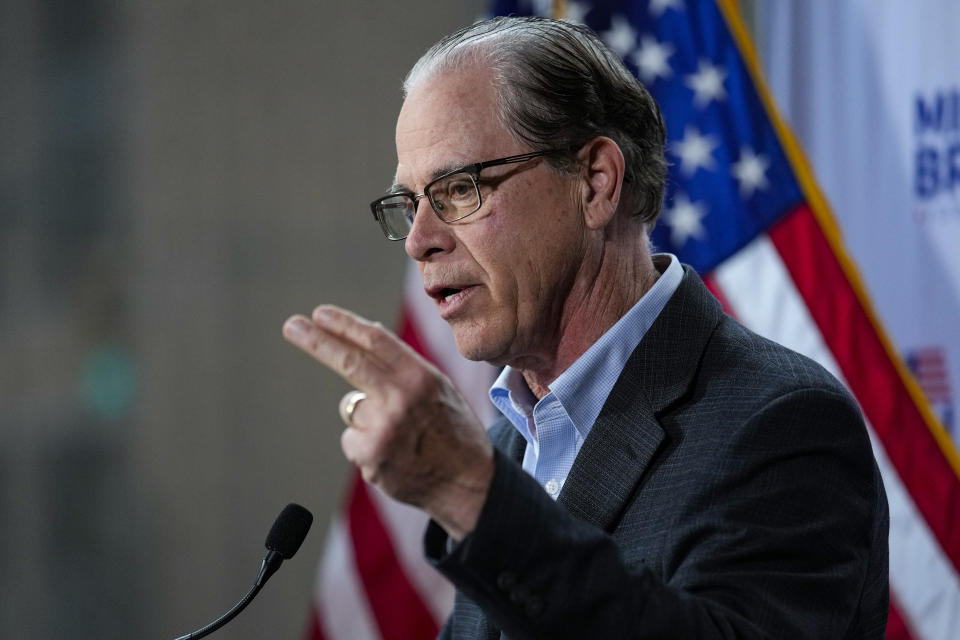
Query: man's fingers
{"points": [[371, 336], [361, 367]]}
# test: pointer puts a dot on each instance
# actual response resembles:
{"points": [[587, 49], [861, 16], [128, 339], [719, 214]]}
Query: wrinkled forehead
{"points": [[449, 120]]}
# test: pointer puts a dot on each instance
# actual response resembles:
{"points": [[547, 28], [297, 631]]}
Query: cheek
{"points": [[507, 261], [527, 288], [526, 249]]}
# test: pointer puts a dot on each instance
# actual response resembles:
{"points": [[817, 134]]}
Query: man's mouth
{"points": [[446, 294], [449, 297]]}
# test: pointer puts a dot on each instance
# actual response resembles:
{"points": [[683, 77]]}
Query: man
{"points": [[659, 471]]}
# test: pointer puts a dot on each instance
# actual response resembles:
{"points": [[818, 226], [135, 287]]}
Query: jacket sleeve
{"points": [[775, 541]]}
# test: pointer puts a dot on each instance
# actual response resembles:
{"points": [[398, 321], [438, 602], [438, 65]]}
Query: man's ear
{"points": [[601, 180]]}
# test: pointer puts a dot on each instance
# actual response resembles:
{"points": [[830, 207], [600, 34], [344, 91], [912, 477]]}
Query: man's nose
{"points": [[428, 234]]}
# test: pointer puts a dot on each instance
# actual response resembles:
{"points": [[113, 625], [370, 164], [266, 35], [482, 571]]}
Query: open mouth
{"points": [[447, 294], [450, 297]]}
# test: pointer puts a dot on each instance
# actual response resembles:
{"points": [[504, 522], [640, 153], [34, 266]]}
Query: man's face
{"points": [[499, 277]]}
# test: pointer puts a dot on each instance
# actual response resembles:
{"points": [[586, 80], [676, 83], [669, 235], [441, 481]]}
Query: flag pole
{"points": [[559, 9]]}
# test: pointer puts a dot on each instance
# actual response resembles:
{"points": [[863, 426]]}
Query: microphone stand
{"points": [[271, 562]]}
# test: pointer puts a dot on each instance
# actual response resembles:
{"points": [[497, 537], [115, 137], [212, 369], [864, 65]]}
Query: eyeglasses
{"points": [[453, 196]]}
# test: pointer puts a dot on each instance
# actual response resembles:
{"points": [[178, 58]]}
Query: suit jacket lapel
{"points": [[627, 433]]}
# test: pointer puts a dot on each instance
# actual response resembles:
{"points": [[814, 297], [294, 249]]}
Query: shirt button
{"points": [[507, 580], [552, 487]]}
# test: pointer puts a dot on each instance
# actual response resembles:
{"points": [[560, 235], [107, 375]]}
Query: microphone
{"points": [[285, 537]]}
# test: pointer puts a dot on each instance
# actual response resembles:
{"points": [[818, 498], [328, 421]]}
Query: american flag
{"points": [[743, 209], [929, 367]]}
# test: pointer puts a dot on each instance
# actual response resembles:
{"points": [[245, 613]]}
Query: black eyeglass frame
{"points": [[473, 170]]}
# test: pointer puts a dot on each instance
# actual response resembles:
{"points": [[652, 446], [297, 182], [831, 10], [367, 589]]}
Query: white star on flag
{"points": [[651, 59], [657, 7], [750, 171], [576, 12], [695, 151], [621, 37], [684, 218], [707, 84]]}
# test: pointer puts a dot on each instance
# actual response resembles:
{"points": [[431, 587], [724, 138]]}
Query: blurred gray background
{"points": [[176, 178]]}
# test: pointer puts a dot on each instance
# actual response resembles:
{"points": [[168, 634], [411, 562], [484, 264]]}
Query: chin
{"points": [[478, 345], [471, 349]]}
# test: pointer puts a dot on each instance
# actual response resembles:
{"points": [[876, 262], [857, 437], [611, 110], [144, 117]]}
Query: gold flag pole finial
{"points": [[559, 9]]}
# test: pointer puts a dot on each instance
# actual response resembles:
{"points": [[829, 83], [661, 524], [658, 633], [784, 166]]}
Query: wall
{"points": [[176, 178]]}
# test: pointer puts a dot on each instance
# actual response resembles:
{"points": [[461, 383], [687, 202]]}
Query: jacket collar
{"points": [[627, 433]]}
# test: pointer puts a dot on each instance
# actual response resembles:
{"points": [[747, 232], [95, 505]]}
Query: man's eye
{"points": [[460, 188]]}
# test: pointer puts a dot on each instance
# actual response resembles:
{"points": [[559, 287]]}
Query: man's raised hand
{"points": [[413, 435]]}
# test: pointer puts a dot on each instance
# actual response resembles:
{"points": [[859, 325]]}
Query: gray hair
{"points": [[559, 87]]}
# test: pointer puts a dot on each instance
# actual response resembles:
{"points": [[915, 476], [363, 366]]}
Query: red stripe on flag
{"points": [[397, 607], [896, 626], [872, 375], [314, 630], [711, 282], [409, 333]]}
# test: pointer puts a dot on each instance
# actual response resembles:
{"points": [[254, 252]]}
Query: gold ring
{"points": [[349, 404]]}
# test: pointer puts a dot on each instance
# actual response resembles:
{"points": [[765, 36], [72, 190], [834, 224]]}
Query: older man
{"points": [[659, 470]]}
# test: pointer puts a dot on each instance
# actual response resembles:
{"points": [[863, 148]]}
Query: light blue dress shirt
{"points": [[556, 426]]}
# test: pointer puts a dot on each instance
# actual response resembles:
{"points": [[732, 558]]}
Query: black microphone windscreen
{"points": [[289, 530]]}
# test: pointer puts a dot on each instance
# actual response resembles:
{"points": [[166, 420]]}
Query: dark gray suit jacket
{"points": [[727, 490]]}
